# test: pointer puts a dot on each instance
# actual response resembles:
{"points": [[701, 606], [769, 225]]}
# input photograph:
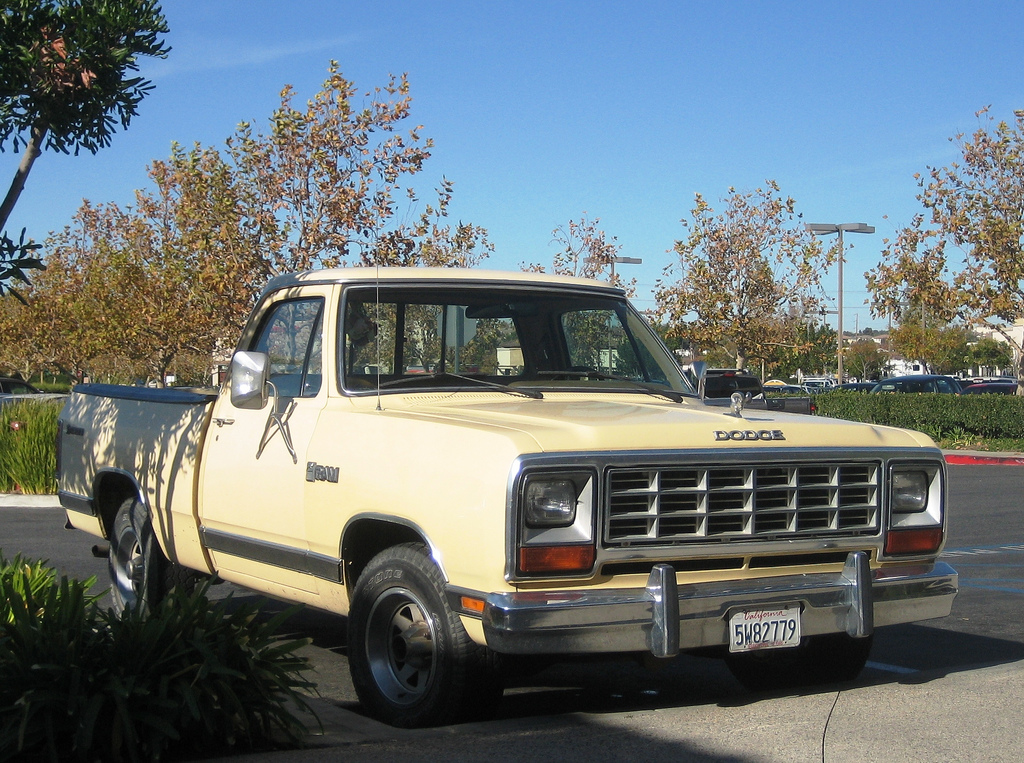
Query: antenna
{"points": [[376, 333]]}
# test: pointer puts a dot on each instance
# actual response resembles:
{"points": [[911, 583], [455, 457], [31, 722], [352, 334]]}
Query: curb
{"points": [[977, 459], [21, 501]]}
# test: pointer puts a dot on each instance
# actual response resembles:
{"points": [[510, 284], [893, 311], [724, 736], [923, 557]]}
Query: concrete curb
{"points": [[20, 501], [970, 458]]}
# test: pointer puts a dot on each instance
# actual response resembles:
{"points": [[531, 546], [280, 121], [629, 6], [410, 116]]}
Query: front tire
{"points": [[412, 662], [826, 659]]}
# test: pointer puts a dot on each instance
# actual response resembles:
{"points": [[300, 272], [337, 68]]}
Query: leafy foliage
{"points": [[191, 677], [164, 285], [15, 259], [65, 79], [587, 252], [963, 258], [746, 277], [865, 359], [24, 580], [812, 352], [943, 349], [28, 453]]}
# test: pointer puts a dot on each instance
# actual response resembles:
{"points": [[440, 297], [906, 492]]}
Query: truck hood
{"points": [[611, 421]]}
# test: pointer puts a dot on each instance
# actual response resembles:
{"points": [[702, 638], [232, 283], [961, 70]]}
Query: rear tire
{"points": [[412, 662], [140, 574], [826, 659]]}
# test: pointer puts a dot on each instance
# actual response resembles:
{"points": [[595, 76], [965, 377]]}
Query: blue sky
{"points": [[541, 111]]}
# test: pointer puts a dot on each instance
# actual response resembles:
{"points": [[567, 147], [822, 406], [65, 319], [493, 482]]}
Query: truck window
{"points": [[398, 337], [290, 335]]}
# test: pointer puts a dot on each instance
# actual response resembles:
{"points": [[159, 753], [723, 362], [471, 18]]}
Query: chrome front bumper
{"points": [[664, 618]]}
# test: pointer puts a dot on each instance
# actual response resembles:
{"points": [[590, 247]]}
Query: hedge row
{"points": [[990, 416]]}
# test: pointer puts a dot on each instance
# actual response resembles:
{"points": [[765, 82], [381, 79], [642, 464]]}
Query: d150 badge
{"points": [[317, 473]]}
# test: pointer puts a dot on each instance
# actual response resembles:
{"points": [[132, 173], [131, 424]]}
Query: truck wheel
{"points": [[140, 574], [827, 659], [412, 662]]}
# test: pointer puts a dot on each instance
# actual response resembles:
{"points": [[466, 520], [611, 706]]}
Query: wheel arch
{"points": [[110, 489], [366, 535]]}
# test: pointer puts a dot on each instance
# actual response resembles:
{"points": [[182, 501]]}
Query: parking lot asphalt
{"points": [[969, 715]]}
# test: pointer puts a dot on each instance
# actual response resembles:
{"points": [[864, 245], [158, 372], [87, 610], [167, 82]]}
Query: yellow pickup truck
{"points": [[478, 468]]}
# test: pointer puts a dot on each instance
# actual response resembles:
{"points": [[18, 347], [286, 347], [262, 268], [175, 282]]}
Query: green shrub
{"points": [[28, 453], [193, 677], [25, 580], [988, 416]]}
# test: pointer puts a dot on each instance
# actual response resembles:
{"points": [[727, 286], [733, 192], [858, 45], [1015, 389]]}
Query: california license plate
{"points": [[753, 629]]}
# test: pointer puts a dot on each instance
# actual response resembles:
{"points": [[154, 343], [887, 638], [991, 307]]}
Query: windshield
{"points": [[537, 339]]}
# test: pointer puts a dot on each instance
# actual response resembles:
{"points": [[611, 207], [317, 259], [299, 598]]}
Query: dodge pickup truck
{"points": [[481, 469]]}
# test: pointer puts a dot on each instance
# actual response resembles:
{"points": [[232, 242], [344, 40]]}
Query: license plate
{"points": [[753, 629]]}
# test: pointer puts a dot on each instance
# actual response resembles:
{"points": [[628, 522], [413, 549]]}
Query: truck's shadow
{"points": [[912, 653]]}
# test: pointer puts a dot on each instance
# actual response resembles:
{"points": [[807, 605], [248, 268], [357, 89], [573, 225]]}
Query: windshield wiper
{"points": [[675, 397], [530, 393]]}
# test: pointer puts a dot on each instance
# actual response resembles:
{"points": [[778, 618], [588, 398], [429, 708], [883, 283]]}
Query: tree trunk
{"points": [[32, 150]]}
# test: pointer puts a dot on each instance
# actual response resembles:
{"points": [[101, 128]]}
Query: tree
{"points": [[942, 348], [812, 352], [587, 252], [963, 258], [150, 288], [991, 354], [745, 277], [323, 187], [64, 75], [865, 359]]}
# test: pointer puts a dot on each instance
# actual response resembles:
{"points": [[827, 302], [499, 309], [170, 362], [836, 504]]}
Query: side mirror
{"points": [[249, 387]]}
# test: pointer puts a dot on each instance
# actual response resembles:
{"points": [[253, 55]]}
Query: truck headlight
{"points": [[909, 491], [555, 533], [916, 505], [549, 502]]}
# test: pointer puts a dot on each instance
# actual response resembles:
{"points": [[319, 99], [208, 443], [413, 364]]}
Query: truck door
{"points": [[254, 465]]}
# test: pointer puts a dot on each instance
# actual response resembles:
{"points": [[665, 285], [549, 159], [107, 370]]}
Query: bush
{"points": [[28, 453], [988, 416], [193, 677]]}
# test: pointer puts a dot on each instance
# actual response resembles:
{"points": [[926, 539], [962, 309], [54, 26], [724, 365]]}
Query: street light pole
{"points": [[625, 261], [824, 229]]}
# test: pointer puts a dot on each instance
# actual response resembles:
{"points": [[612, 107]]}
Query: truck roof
{"points": [[433, 275]]}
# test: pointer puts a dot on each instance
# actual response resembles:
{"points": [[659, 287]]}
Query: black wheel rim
{"points": [[401, 646]]}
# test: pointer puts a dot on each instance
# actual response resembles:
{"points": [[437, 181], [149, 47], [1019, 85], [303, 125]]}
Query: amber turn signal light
{"points": [[925, 540], [556, 560]]}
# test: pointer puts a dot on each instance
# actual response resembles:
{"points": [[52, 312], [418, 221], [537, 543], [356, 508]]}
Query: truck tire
{"points": [[826, 659], [412, 662], [140, 574]]}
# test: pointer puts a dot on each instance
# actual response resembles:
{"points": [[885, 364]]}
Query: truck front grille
{"points": [[678, 504]]}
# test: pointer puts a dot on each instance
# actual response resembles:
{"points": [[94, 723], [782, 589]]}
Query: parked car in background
{"points": [[789, 389], [919, 383], [815, 384], [718, 383], [13, 390], [9, 386], [857, 386], [990, 388]]}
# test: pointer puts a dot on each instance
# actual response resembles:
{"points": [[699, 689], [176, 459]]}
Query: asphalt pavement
{"points": [[968, 714]]}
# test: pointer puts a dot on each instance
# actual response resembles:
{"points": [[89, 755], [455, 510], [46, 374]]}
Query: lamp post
{"points": [[625, 261], [825, 229]]}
